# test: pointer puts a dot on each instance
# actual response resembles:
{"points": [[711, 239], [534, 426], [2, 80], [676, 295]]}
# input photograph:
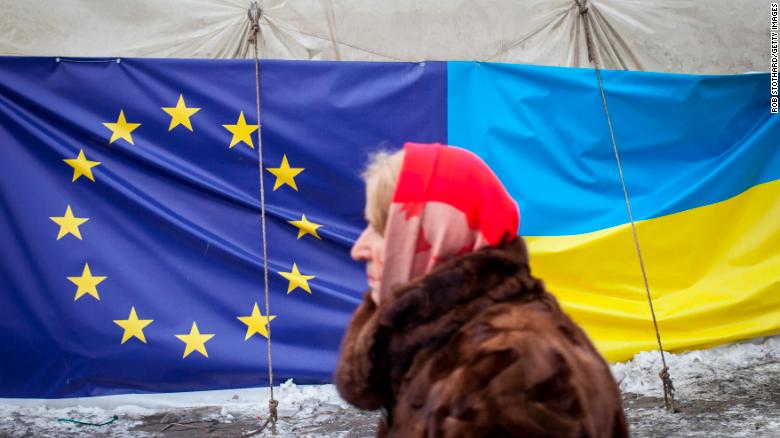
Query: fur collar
{"points": [[428, 311]]}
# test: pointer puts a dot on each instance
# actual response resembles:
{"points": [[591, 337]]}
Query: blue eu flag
{"points": [[131, 258]]}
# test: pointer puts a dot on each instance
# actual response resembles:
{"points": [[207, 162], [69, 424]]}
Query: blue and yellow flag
{"points": [[701, 159], [131, 257]]}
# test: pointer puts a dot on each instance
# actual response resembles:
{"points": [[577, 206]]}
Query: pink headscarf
{"points": [[447, 203]]}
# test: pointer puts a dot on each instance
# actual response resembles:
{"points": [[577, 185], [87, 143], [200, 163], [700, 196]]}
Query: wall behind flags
{"points": [[131, 255]]}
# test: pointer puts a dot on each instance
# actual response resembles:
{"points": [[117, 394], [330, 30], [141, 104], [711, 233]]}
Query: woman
{"points": [[455, 337]]}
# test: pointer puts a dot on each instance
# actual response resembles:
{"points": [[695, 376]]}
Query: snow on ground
{"points": [[730, 391], [727, 391], [640, 375]]}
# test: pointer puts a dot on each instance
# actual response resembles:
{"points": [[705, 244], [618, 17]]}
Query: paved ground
{"points": [[746, 404], [742, 400]]}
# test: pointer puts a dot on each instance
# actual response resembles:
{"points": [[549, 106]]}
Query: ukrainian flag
{"points": [[701, 158]]}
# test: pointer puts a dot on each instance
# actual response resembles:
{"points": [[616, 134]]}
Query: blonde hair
{"points": [[381, 177]]}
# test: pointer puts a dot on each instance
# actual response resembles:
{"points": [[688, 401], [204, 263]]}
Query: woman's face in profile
{"points": [[369, 248]]}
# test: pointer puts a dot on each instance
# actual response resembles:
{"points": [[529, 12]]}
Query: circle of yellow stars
{"points": [[87, 283]]}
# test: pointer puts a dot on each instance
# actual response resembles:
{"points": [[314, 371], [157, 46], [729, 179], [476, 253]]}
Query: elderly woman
{"points": [[455, 337]]}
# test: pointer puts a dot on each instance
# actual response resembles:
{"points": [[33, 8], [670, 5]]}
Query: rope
{"points": [[664, 374], [211, 426], [254, 17], [272, 404], [86, 423]]}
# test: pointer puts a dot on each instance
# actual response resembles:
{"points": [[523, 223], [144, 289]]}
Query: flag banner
{"points": [[131, 257], [701, 160]]}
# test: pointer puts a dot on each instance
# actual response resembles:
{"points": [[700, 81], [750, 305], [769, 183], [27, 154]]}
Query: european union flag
{"points": [[131, 258]]}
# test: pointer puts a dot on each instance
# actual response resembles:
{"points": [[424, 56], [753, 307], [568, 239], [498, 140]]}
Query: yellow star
{"points": [[241, 131], [69, 224], [180, 114], [87, 283], [133, 326], [285, 174], [306, 227], [81, 166], [121, 129], [195, 341], [256, 323], [297, 280]]}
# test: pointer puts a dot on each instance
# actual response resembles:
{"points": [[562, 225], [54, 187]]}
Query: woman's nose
{"points": [[361, 251]]}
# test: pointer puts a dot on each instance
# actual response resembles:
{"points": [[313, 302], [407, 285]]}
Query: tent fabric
{"points": [[684, 36], [172, 234]]}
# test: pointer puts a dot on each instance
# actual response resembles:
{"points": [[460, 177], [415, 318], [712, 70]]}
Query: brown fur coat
{"points": [[477, 348]]}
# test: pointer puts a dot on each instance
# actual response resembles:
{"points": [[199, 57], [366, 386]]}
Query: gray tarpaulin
{"points": [[714, 36]]}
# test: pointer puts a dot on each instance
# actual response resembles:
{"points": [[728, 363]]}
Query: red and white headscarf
{"points": [[447, 203]]}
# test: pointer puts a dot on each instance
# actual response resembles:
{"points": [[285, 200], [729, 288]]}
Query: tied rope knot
{"points": [[271, 419], [583, 5], [272, 408], [254, 14], [668, 389], [273, 404]]}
